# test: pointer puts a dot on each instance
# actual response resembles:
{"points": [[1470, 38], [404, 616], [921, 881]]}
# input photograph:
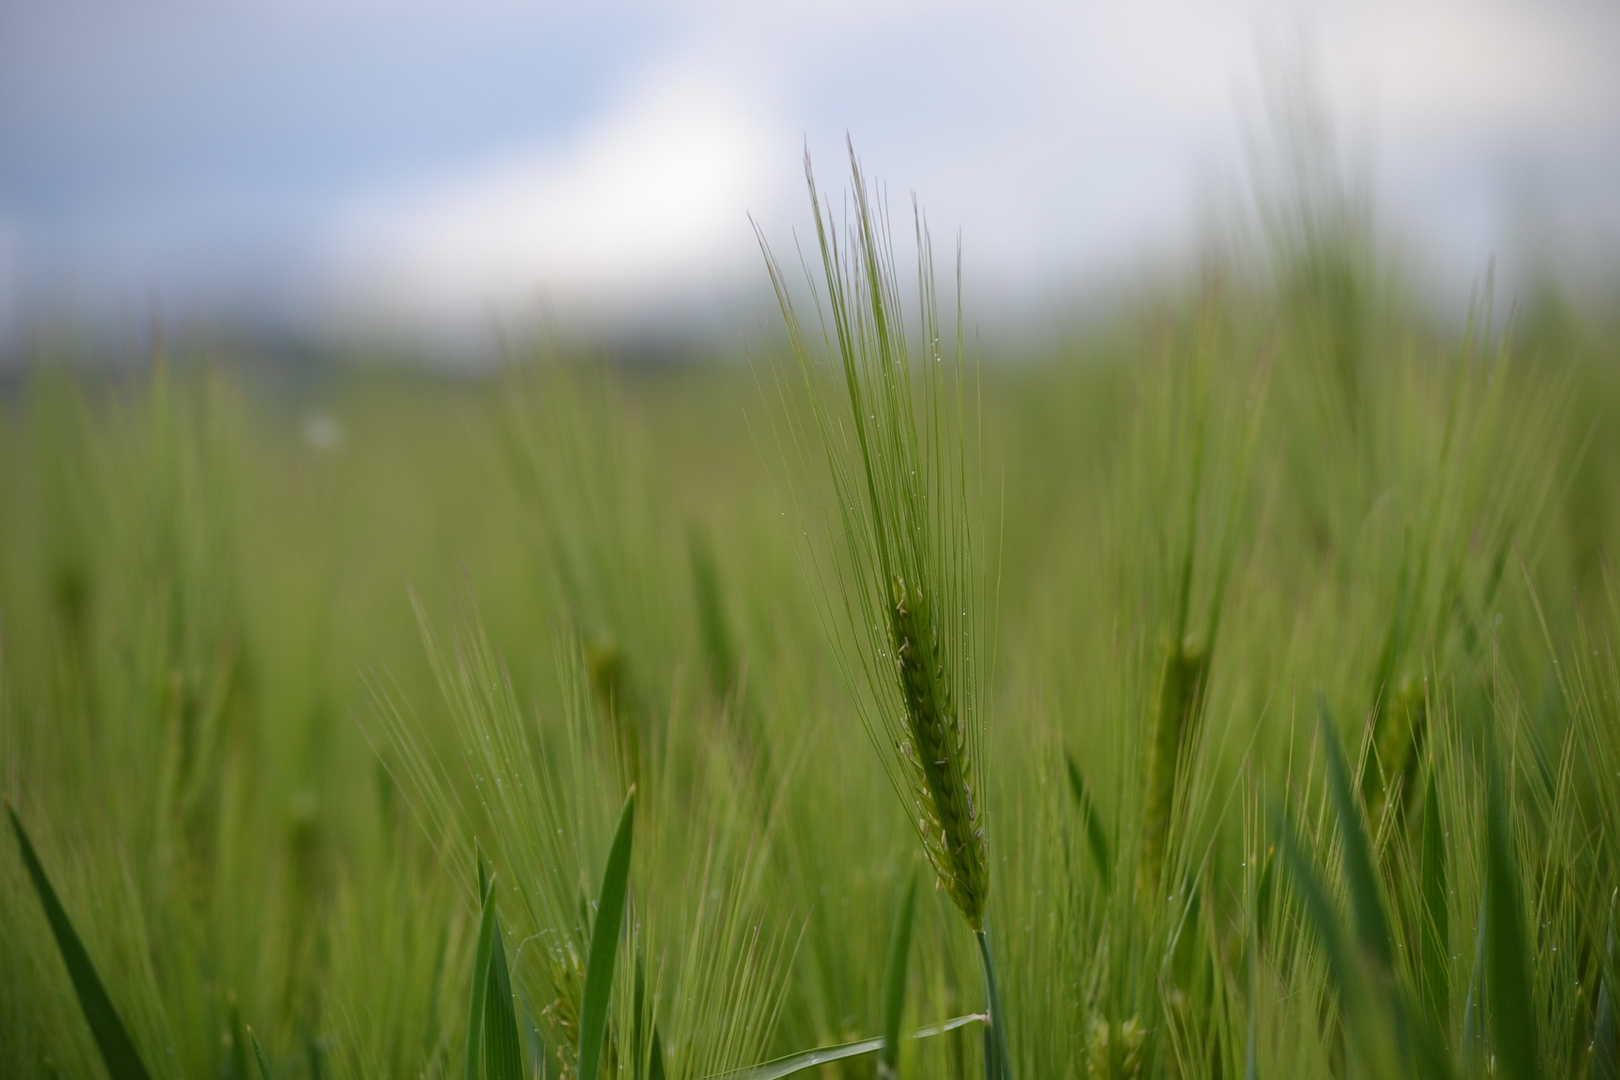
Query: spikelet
{"points": [[939, 767]]}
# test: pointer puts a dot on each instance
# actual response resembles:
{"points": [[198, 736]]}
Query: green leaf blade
{"points": [[1368, 923], [480, 983], [1096, 836], [1507, 971], [1435, 938], [503, 1049], [894, 983], [258, 1056], [777, 1068], [605, 944], [112, 1038]]}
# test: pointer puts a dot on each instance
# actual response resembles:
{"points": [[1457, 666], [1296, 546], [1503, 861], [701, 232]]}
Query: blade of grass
{"points": [[1507, 971], [480, 983], [258, 1056], [236, 1060], [809, 1059], [1096, 836], [1473, 1037], [894, 984], [503, 1050], [1319, 910], [112, 1038], [1605, 1048], [1435, 936], [605, 944], [1367, 920], [645, 1021]]}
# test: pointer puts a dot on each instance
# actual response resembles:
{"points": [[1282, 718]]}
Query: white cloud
{"points": [[1491, 70], [650, 202], [1051, 134]]}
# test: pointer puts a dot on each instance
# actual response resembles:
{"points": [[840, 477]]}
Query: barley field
{"points": [[1230, 689]]}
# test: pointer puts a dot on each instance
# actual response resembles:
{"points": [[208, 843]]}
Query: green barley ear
{"points": [[908, 586], [936, 755], [899, 474]]}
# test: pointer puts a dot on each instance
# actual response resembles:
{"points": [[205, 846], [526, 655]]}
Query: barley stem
{"points": [[997, 1064]]}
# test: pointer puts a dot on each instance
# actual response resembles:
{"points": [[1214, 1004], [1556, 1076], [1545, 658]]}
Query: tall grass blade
{"points": [[894, 984], [809, 1059], [1096, 835], [1473, 1037], [1435, 929], [236, 1060], [1319, 910], [112, 1039], [258, 1056], [605, 944], [1605, 1047], [1507, 970], [480, 983], [1368, 923], [645, 1022], [494, 1047], [503, 1049]]}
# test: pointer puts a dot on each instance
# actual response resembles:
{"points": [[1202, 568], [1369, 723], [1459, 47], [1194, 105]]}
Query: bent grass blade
{"points": [[809, 1059]]}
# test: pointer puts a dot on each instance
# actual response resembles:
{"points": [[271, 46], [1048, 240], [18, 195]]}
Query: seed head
{"points": [[936, 757]]}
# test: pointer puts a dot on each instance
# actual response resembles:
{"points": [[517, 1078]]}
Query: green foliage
{"points": [[254, 762]]}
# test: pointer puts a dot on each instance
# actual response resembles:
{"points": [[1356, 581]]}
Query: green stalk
{"points": [[997, 1064]]}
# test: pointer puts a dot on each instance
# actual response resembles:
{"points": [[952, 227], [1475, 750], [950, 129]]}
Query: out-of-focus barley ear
{"points": [[609, 672], [1114, 1051], [718, 651], [1389, 773], [1181, 696]]}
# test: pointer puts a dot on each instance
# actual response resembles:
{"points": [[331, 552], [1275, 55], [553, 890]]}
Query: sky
{"points": [[422, 165]]}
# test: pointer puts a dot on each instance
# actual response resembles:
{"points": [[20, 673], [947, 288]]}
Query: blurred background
{"points": [[293, 175]]}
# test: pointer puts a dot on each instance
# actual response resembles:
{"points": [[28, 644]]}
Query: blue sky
{"points": [[412, 163]]}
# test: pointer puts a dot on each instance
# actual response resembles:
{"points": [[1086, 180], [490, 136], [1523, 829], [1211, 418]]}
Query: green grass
{"points": [[266, 705]]}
